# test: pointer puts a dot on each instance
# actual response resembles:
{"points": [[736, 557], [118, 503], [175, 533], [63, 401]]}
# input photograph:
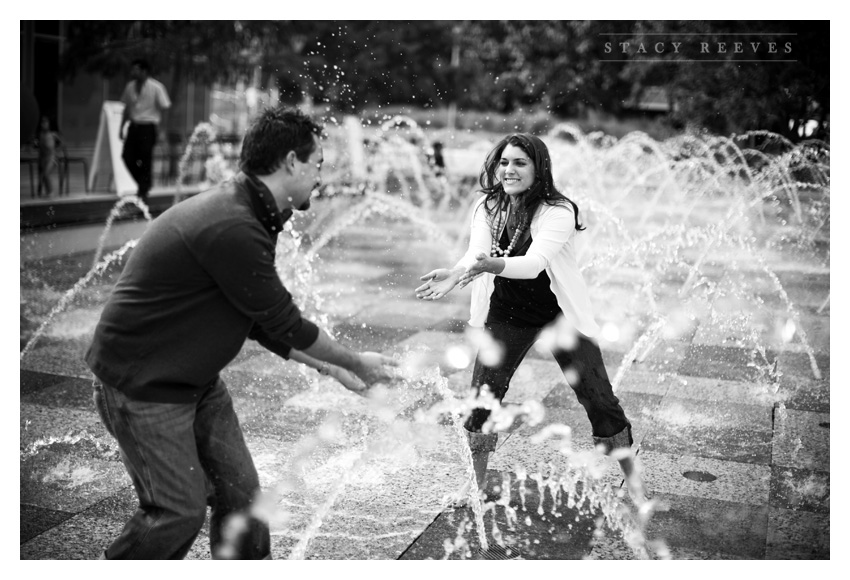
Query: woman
{"points": [[522, 265]]}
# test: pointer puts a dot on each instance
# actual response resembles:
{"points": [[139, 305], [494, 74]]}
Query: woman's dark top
{"points": [[526, 303]]}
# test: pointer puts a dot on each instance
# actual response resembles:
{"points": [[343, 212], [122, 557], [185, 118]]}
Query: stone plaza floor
{"points": [[740, 469]]}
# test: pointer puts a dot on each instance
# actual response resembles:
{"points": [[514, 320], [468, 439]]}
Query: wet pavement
{"points": [[735, 448]]}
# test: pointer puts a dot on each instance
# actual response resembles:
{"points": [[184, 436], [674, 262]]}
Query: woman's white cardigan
{"points": [[552, 231]]}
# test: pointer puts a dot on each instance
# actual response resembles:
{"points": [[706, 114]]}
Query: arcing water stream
{"points": [[662, 218]]}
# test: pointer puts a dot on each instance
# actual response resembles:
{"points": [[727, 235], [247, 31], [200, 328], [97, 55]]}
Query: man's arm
{"points": [[354, 379], [363, 365], [162, 100], [345, 377], [244, 271]]}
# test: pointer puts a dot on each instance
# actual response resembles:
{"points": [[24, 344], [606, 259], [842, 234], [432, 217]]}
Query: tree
{"points": [[557, 65], [767, 92]]}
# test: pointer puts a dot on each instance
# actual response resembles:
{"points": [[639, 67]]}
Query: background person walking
{"points": [[144, 100]]}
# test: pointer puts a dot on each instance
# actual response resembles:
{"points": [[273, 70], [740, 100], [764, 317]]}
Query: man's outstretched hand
{"points": [[375, 368]]}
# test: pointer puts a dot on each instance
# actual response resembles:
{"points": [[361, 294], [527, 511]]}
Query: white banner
{"points": [[107, 151]]}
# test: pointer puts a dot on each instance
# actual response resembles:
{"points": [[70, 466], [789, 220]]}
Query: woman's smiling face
{"points": [[516, 170]]}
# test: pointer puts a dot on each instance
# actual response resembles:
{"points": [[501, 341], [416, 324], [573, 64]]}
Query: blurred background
{"points": [[460, 81]]}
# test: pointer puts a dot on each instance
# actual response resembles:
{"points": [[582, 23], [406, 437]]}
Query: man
{"points": [[199, 282], [144, 100]]}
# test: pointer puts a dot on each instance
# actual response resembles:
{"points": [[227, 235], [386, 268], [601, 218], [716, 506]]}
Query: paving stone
{"points": [[696, 408], [371, 337], [59, 356], [800, 365], [563, 407], [519, 450], [665, 357], [453, 325], [32, 381], [118, 506], [805, 288], [286, 424], [816, 328], [796, 535], [721, 362], [648, 382], [341, 485], [270, 388], [800, 489], [665, 473], [60, 429], [612, 359], [801, 439], [740, 327], [616, 548], [411, 314], [69, 483], [36, 520], [540, 531], [712, 429], [710, 525], [699, 388], [71, 392], [612, 547], [798, 387], [419, 352], [78, 538]]}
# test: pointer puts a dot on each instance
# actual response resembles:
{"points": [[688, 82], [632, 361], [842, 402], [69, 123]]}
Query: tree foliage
{"points": [[485, 65], [756, 90]]}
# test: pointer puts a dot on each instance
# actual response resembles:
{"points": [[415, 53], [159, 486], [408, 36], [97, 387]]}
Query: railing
{"points": [[75, 163]]}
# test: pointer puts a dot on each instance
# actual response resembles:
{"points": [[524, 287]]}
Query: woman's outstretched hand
{"points": [[438, 283], [483, 263]]}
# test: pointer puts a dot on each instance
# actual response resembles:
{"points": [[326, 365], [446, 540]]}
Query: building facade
{"points": [[74, 105]]}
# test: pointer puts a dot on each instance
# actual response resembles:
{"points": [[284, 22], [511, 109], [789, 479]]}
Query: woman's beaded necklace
{"points": [[496, 234]]}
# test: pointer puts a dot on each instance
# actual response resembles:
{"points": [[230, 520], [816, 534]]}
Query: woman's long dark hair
{"points": [[542, 191]]}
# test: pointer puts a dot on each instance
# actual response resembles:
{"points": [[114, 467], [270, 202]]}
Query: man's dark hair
{"points": [[275, 133], [142, 64]]}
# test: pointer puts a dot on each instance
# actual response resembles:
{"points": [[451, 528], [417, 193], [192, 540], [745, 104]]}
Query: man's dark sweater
{"points": [[199, 282]]}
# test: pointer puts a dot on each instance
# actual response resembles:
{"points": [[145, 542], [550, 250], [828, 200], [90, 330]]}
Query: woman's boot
{"points": [[481, 445], [634, 481]]}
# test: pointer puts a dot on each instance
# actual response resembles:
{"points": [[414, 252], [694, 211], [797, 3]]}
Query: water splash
{"points": [[696, 198], [117, 211], [69, 296], [473, 494]]}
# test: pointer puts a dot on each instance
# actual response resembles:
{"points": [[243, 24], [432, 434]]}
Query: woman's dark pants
{"points": [[608, 421], [173, 452]]}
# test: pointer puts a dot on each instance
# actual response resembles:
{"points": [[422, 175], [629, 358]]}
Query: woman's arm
{"points": [[480, 237], [441, 281], [556, 227]]}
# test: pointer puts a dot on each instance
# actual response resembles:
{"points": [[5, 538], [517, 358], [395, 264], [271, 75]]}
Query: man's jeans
{"points": [[593, 389], [172, 451]]}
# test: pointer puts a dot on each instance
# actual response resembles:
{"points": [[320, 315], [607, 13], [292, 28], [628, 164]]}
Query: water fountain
{"points": [[678, 231]]}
